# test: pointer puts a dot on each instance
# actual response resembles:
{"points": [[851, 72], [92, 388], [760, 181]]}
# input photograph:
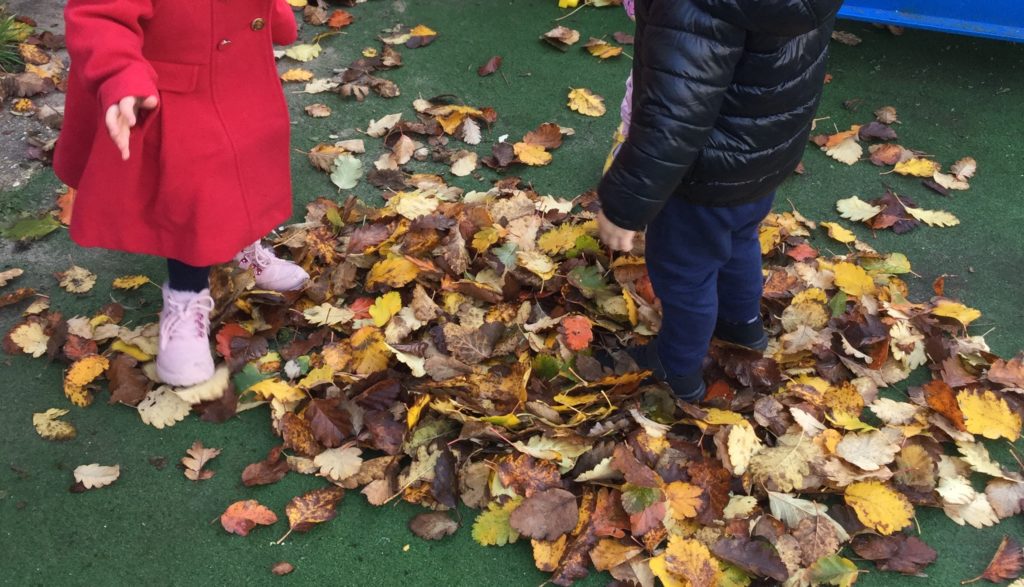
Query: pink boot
{"points": [[184, 356], [271, 273]]}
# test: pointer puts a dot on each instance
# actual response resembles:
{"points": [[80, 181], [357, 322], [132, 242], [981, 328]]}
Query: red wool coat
{"points": [[209, 168]]}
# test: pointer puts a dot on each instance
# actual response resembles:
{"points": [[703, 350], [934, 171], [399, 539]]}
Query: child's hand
{"points": [[619, 239], [121, 117]]}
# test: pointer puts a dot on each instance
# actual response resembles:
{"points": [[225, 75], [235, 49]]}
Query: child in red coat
{"points": [[176, 136]]}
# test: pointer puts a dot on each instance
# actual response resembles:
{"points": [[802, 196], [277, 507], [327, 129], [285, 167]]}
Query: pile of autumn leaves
{"points": [[466, 346]]}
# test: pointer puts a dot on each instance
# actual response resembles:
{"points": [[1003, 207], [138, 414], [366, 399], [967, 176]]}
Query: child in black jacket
{"points": [[724, 92]]}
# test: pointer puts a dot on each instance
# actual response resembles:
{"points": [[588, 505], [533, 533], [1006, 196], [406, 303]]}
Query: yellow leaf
{"points": [[492, 527], [939, 218], [719, 417], [297, 74], [298, 3], [742, 445], [660, 569], [385, 307], [412, 417], [568, 3], [303, 52], [370, 351], [31, 339], [916, 167], [77, 279], [162, 408], [319, 376], [49, 427], [879, 507], [538, 263], [422, 31], [688, 559], [769, 237], [856, 209], [956, 311], [586, 102], [683, 499], [83, 372], [839, 233], [602, 49], [392, 272], [486, 237], [533, 155], [277, 389], [130, 282], [846, 151], [131, 350], [547, 554], [989, 415], [562, 238], [209, 390], [631, 310], [813, 294], [853, 280]]}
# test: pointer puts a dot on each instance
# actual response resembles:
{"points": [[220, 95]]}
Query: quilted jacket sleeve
{"points": [[104, 40], [283, 29], [683, 64]]}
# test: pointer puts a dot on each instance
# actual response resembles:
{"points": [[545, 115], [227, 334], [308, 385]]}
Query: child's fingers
{"points": [[127, 107], [150, 102]]}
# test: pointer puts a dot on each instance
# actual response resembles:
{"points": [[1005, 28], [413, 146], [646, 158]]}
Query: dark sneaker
{"points": [[751, 336], [689, 388]]}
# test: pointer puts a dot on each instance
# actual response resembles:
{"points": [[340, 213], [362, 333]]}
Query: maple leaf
{"points": [[198, 456], [50, 427], [95, 475], [242, 516], [492, 527], [309, 509], [1006, 564], [586, 102], [879, 507]]}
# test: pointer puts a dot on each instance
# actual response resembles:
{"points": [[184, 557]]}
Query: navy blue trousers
{"points": [[705, 265]]}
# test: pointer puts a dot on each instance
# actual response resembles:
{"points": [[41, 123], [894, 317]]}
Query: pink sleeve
{"points": [[630, 8], [104, 40], [283, 29]]}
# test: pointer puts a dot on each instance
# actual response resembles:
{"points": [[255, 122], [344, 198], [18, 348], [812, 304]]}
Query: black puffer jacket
{"points": [[724, 92]]}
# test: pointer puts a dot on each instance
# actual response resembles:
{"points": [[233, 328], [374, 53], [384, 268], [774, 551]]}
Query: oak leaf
{"points": [[198, 456]]}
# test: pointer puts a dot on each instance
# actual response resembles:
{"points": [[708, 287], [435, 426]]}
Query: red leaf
{"points": [[577, 331], [1006, 564], [226, 334], [490, 67], [339, 19]]}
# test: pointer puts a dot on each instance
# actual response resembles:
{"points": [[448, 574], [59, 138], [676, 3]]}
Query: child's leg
{"points": [[686, 245], [185, 277], [740, 281]]}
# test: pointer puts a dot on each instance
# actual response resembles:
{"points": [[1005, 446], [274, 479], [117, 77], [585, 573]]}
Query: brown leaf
{"points": [[128, 384], [312, 508], [899, 552], [714, 480], [198, 456], [270, 470], [817, 538], [282, 568], [329, 423], [576, 560], [753, 556], [635, 472], [1006, 563], [490, 67], [433, 525], [527, 476], [243, 516], [547, 135], [472, 346], [940, 398], [1009, 373], [546, 515], [298, 436], [219, 410], [623, 38], [877, 131], [609, 519]]}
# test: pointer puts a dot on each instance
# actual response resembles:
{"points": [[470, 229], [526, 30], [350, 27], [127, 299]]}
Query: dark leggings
{"points": [[185, 277]]}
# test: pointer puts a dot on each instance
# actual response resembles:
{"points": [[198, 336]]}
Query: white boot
{"points": [[271, 273]]}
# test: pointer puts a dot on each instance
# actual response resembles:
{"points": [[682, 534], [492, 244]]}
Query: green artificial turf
{"points": [[955, 97]]}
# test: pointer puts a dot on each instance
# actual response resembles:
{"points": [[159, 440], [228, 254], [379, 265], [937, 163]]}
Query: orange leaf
{"points": [[242, 516], [224, 336], [578, 332], [339, 19], [66, 203], [312, 508], [941, 399]]}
